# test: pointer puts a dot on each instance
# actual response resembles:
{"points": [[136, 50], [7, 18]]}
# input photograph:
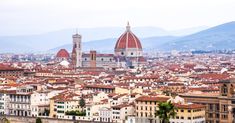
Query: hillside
{"points": [[216, 38]]}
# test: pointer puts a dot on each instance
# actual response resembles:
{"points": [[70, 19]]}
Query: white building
{"points": [[40, 102], [105, 114], [121, 112], [20, 101]]}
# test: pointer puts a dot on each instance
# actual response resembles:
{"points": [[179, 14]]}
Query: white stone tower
{"points": [[77, 51]]}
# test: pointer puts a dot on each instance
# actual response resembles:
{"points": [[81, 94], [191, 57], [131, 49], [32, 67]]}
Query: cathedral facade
{"points": [[128, 52]]}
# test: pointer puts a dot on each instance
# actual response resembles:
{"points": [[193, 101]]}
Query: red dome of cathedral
{"points": [[63, 53], [128, 40]]}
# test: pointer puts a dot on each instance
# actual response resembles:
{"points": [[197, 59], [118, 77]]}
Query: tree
{"points": [[82, 103], [76, 113], [165, 111], [38, 120], [46, 112]]}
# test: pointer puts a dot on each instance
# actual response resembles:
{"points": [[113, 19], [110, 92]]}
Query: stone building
{"points": [[220, 107]]}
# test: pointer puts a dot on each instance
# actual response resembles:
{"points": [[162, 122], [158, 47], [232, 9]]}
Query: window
{"points": [[224, 108], [122, 53], [131, 53], [181, 117], [224, 90], [224, 116], [217, 107], [189, 110], [210, 115], [182, 110], [211, 106], [189, 118]]}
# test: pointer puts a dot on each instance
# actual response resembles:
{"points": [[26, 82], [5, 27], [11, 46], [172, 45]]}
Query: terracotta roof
{"points": [[100, 86], [63, 53], [121, 106], [128, 40], [152, 98], [189, 106], [8, 67]]}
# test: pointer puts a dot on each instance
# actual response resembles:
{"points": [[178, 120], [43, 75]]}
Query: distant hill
{"points": [[45, 41], [107, 45], [216, 38], [103, 39]]}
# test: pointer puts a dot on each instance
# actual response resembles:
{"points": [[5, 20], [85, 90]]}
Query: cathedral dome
{"points": [[63, 53], [128, 40]]}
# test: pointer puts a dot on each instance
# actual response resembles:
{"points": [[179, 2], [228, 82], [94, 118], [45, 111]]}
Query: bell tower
{"points": [[77, 51]]}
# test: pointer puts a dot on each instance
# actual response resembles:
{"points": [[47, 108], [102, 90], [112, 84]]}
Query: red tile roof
{"points": [[152, 98]]}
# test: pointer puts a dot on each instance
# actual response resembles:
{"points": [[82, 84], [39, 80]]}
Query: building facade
{"points": [[20, 102], [220, 108]]}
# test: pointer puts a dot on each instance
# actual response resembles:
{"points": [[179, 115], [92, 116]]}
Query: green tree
{"points": [[82, 103], [76, 113], [38, 120], [165, 111], [46, 112]]}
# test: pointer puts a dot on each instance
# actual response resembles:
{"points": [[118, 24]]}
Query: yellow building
{"points": [[189, 113], [220, 107], [146, 106], [122, 90]]}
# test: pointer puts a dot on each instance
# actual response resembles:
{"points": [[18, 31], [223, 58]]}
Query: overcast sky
{"points": [[37, 16]]}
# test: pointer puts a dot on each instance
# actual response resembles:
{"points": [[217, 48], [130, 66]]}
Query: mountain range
{"points": [[103, 39], [221, 37]]}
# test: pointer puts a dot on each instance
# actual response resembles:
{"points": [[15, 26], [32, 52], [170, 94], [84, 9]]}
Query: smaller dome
{"points": [[64, 63], [63, 53]]}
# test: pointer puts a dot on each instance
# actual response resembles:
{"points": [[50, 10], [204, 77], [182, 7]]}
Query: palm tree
{"points": [[165, 111]]}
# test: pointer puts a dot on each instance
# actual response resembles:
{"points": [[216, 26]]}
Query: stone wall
{"points": [[20, 119]]}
